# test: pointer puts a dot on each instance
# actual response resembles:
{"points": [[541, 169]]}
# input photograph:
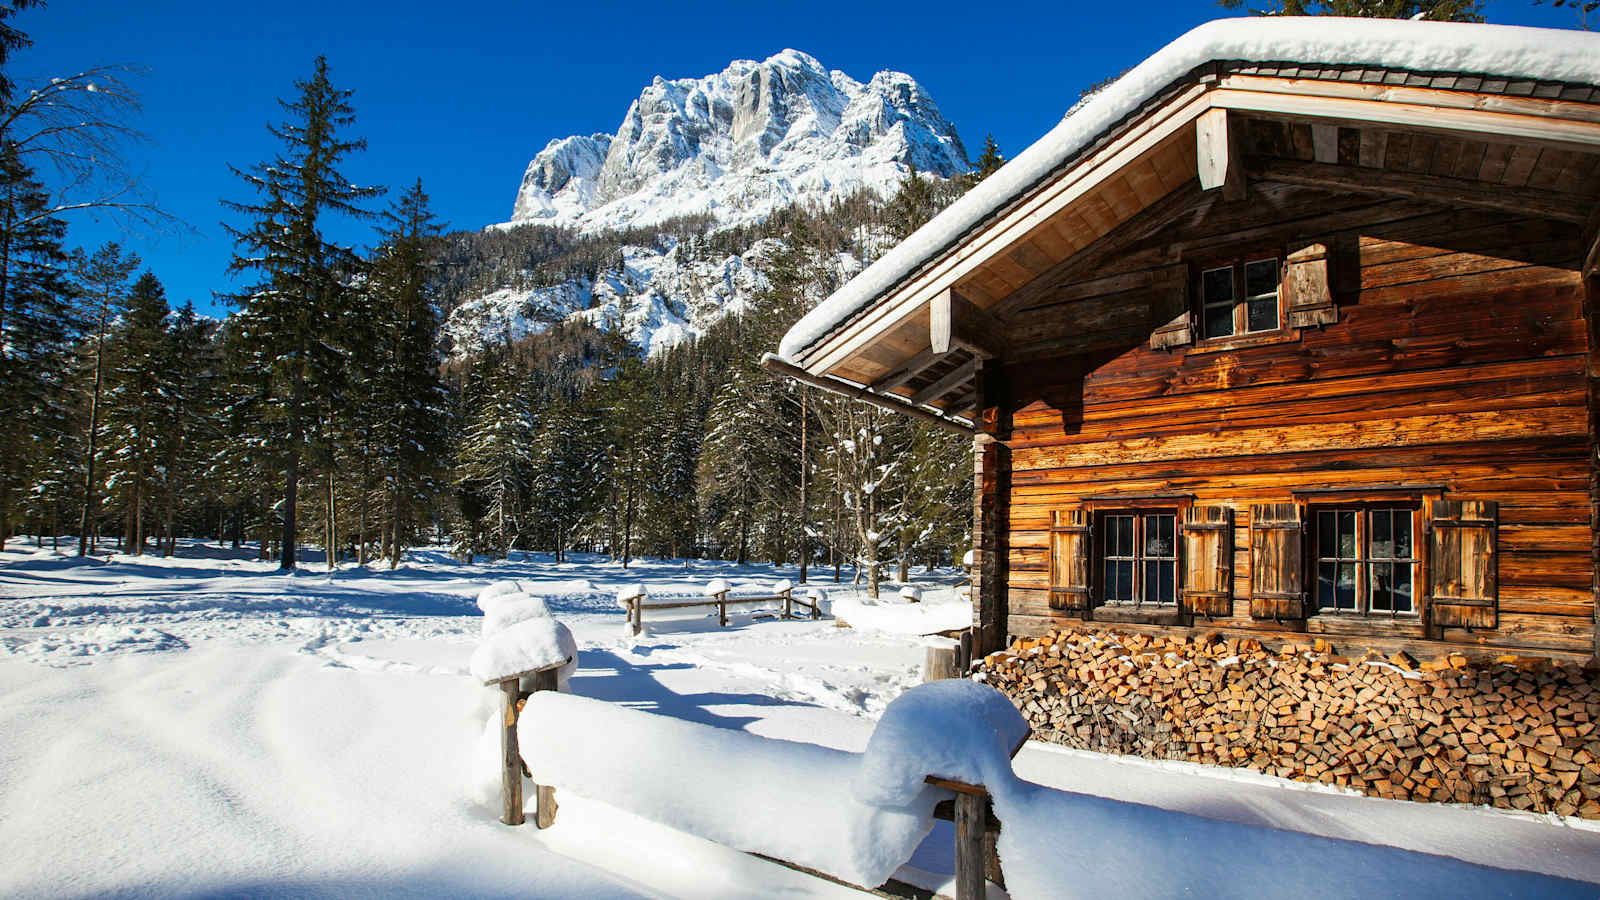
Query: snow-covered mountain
{"points": [[739, 144]]}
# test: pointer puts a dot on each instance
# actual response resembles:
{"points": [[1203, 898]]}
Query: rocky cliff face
{"points": [[738, 145]]}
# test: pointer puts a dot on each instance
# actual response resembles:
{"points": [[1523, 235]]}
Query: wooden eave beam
{"points": [[1217, 154], [955, 378], [1523, 201], [772, 363], [906, 371], [956, 322]]}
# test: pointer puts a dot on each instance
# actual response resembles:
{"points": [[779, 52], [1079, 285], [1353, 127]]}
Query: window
{"points": [[1241, 298], [1138, 563], [1366, 560]]}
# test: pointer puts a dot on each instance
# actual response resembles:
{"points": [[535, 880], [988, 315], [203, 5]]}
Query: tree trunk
{"points": [[90, 497], [805, 533], [333, 520]]}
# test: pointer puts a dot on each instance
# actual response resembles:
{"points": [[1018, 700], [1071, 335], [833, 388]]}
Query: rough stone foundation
{"points": [[1518, 733]]}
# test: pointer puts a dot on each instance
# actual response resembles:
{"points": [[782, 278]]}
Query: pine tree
{"points": [[103, 279], [496, 457], [136, 406], [989, 161], [407, 397], [37, 323], [291, 318]]}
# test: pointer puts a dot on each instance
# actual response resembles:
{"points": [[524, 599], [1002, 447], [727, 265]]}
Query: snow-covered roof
{"points": [[1499, 50]]}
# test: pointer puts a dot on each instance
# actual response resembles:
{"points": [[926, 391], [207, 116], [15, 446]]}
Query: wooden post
{"points": [[510, 755], [638, 614], [941, 663], [970, 863], [722, 609], [964, 658], [544, 794], [991, 497], [788, 603]]}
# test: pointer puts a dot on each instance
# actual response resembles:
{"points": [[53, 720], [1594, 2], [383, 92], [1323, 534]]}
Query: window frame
{"points": [[1237, 262], [1364, 560], [1100, 514]]}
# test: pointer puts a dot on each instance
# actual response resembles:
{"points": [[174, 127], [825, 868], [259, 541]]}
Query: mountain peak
{"points": [[740, 144]]}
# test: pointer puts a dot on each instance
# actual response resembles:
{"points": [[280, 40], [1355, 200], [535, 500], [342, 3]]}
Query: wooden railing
{"points": [[637, 605]]}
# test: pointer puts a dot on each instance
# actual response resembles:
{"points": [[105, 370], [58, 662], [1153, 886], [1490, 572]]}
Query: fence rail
{"points": [[637, 604]]}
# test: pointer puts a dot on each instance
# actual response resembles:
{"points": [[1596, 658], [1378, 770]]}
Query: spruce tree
{"points": [[291, 316], [37, 323], [137, 414], [404, 390], [103, 279]]}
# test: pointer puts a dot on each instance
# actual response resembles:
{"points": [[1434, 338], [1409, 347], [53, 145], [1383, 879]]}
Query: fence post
{"points": [[510, 754], [788, 603], [971, 818], [942, 662], [544, 794], [722, 608]]}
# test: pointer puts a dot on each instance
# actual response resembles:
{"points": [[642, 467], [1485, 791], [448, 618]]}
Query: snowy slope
{"points": [[740, 144], [658, 298]]}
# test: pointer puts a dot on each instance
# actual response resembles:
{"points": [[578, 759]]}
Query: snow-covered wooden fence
{"points": [[852, 817], [636, 600]]}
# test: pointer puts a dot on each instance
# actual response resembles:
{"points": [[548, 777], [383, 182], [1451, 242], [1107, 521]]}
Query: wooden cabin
{"points": [[1290, 333]]}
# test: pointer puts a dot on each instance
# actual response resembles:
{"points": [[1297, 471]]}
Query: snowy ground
{"points": [[202, 725]]}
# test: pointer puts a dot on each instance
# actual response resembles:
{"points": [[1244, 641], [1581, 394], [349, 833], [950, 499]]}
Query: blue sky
{"points": [[463, 94]]}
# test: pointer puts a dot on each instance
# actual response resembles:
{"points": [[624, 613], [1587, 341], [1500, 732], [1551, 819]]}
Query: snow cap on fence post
{"points": [[628, 592], [911, 592], [781, 585], [954, 729], [717, 586]]}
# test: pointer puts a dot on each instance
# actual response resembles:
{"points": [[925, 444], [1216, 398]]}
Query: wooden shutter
{"points": [[1309, 294], [1069, 559], [1173, 310], [1277, 585], [1461, 564], [1208, 560]]}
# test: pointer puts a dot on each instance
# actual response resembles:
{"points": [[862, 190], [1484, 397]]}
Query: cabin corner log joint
{"points": [[1292, 351]]}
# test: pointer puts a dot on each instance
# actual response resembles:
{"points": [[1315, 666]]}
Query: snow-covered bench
{"points": [[854, 817], [635, 599]]}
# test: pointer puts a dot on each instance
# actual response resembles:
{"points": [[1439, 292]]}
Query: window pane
{"points": [[1218, 285], [1124, 535], [1402, 533], [1325, 586], [1327, 537], [1262, 315], [1382, 587], [1111, 581], [1158, 536], [1124, 582], [1382, 534], [1402, 588], [1152, 582], [1261, 278], [1344, 590], [1219, 321], [1347, 534], [1169, 582]]}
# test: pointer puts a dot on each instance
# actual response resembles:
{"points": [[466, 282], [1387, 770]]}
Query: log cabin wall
{"points": [[1457, 364]]}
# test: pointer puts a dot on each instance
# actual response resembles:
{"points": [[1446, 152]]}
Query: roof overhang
{"points": [[914, 328]]}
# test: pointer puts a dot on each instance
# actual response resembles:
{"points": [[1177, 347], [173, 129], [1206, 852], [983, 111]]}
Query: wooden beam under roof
{"points": [[956, 322], [906, 371], [1465, 191], [777, 365], [950, 381]]}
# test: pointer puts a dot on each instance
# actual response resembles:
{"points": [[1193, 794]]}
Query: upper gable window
{"points": [[1240, 298]]}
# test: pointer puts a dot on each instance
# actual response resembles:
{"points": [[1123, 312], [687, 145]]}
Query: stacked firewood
{"points": [[1519, 733]]}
